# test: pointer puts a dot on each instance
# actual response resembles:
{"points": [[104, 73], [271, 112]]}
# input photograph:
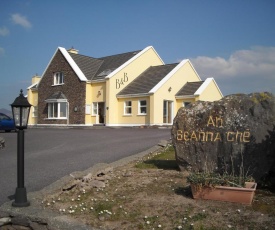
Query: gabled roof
{"points": [[88, 65], [57, 96], [111, 63], [99, 68], [33, 86], [189, 88], [145, 82], [196, 88], [168, 76]]}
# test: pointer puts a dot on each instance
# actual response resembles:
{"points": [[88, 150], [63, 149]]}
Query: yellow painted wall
{"points": [[95, 92], [211, 93], [33, 100], [121, 79], [179, 102], [135, 118], [185, 74]]}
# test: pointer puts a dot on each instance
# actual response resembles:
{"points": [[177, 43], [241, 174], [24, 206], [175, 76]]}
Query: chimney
{"points": [[73, 50], [35, 79]]}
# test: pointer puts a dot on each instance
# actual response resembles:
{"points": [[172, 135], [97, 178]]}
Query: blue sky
{"points": [[232, 41]]}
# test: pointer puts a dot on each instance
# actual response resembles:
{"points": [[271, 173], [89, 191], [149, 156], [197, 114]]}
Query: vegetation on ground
{"points": [[153, 194]]}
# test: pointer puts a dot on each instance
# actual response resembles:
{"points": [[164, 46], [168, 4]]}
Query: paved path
{"points": [[53, 153]]}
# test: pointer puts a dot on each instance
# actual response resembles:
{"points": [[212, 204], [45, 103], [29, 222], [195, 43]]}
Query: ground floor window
{"points": [[57, 110], [185, 103], [95, 108], [167, 112], [98, 110], [127, 107], [34, 111], [142, 107]]}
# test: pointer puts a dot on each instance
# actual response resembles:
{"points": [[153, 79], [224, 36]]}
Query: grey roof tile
{"points": [[110, 63], [88, 65], [57, 95], [189, 88], [147, 80], [99, 68]]}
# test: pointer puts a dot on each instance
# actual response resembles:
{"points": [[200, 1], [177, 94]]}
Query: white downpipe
{"points": [[68, 113]]}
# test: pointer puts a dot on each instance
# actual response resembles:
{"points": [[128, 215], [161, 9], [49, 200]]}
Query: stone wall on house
{"points": [[73, 89]]}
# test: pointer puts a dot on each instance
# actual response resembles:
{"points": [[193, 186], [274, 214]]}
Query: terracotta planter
{"points": [[224, 193]]}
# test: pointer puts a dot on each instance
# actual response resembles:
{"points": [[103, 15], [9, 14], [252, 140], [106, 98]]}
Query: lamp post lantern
{"points": [[20, 111]]}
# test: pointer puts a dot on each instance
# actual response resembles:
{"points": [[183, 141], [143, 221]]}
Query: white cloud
{"points": [[253, 69], [21, 20], [4, 31]]}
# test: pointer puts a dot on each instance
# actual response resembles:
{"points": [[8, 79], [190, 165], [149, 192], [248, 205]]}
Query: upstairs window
{"points": [[127, 107], [142, 110], [58, 78]]}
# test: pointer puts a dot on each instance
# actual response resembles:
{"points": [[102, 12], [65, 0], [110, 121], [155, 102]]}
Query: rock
{"points": [[70, 185], [2, 143], [97, 184], [5, 221], [22, 221], [103, 178], [163, 143], [4, 214], [19, 227], [127, 173], [37, 226], [87, 177], [235, 134]]}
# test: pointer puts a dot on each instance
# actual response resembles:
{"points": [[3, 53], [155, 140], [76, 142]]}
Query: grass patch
{"points": [[164, 160]]}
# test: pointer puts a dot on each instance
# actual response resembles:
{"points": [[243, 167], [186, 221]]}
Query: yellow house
{"points": [[128, 89]]}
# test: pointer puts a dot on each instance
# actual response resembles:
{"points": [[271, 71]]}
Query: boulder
{"points": [[235, 135]]}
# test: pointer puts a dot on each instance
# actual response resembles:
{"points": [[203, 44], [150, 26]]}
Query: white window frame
{"points": [[95, 108], [58, 104], [34, 111], [58, 78], [127, 105], [185, 103], [142, 106]]}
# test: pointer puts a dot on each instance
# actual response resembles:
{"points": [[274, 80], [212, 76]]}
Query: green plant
{"points": [[214, 179]]}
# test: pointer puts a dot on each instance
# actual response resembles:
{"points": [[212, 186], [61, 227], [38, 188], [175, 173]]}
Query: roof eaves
{"points": [[131, 60], [185, 96], [72, 63], [97, 81], [31, 86], [48, 66], [205, 84], [133, 95]]}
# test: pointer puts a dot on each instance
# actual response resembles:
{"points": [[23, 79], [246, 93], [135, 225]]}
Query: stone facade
{"points": [[73, 89]]}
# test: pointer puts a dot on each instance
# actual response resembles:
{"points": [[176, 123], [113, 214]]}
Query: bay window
{"points": [[57, 110]]}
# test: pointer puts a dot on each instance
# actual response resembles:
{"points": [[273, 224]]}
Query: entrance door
{"points": [[167, 112], [101, 112]]}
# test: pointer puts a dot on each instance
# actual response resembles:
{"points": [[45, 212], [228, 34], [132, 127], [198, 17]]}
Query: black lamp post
{"points": [[20, 110]]}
